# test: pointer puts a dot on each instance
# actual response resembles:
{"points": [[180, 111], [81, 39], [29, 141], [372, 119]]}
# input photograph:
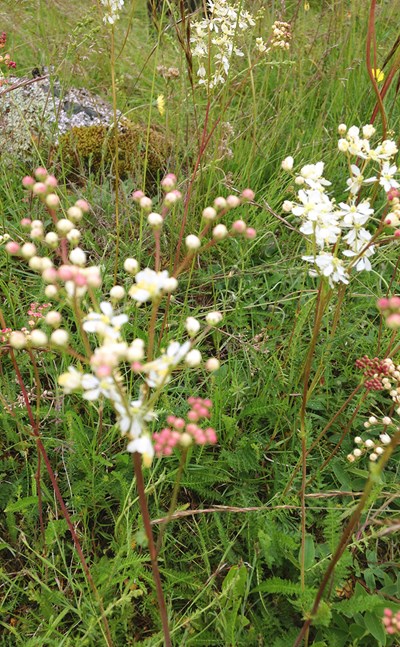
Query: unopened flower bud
{"points": [[52, 200], [51, 291], [39, 188], [83, 205], [28, 250], [145, 203], [220, 232], [51, 239], [248, 195], [51, 181], [192, 242], [28, 181], [63, 226], [131, 266], [74, 236], [209, 213], [35, 263], [170, 284], [59, 337], [117, 292], [170, 198], [192, 326], [287, 206], [193, 358], [212, 364], [13, 248], [169, 182], [250, 233], [137, 195], [53, 318], [342, 128], [41, 173], [220, 203], [233, 201], [214, 318], [17, 340], [38, 338], [287, 163], [239, 227], [49, 274], [77, 256], [155, 220], [75, 214]]}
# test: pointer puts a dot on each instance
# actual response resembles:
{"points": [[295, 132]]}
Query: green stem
{"points": [[137, 464], [375, 474]]}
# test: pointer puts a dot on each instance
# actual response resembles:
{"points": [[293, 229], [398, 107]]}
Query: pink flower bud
{"points": [[80, 280], [393, 320], [392, 194], [83, 205], [51, 181], [39, 188], [12, 248], [169, 182], [397, 233], [65, 273], [49, 275], [383, 303], [137, 196], [220, 203], [239, 226], [193, 416], [394, 302], [233, 201], [28, 181], [145, 203], [41, 173], [248, 194], [103, 371], [250, 233], [26, 222]]}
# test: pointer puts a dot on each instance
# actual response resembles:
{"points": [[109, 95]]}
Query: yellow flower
{"points": [[306, 6], [161, 104], [378, 74]]}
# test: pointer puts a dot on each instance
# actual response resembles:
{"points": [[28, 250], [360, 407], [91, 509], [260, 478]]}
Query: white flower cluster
{"points": [[112, 9], [337, 233], [221, 31]]}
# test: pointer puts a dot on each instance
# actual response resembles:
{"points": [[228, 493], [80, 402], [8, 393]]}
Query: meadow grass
{"points": [[235, 566]]}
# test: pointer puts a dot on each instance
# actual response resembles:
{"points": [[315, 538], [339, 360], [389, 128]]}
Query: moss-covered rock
{"points": [[93, 148]]}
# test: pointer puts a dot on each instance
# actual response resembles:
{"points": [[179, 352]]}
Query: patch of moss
{"points": [[93, 148]]}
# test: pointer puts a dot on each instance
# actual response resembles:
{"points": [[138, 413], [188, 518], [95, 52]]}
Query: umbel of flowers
{"points": [[343, 236], [218, 37], [56, 254]]}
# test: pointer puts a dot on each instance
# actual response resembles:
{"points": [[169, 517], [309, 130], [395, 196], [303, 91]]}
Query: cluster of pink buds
{"points": [[390, 309], [36, 312], [391, 622], [6, 59], [64, 236], [171, 196], [5, 334], [393, 217], [186, 432], [374, 370]]}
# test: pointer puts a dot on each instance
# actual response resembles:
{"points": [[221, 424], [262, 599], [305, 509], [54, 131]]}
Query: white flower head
{"points": [[159, 370], [105, 323], [150, 285]]}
